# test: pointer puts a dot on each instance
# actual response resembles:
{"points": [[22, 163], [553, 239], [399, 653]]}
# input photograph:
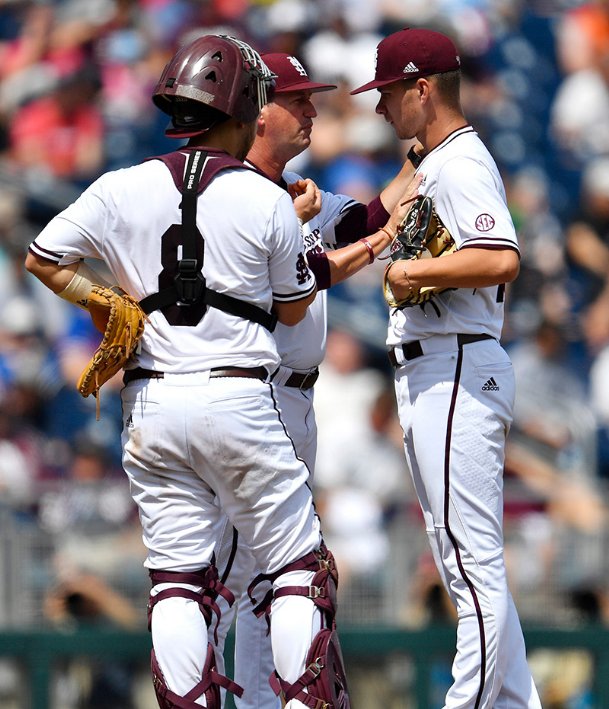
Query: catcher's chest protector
{"points": [[185, 298], [176, 163]]}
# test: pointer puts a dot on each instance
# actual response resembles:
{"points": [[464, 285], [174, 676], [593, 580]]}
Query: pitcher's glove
{"points": [[420, 235], [121, 320]]}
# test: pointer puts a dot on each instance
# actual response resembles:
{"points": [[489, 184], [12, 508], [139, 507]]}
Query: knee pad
{"points": [[211, 679], [323, 684], [211, 585], [322, 590]]}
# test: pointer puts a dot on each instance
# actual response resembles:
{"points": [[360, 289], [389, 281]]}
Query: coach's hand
{"points": [[307, 199]]}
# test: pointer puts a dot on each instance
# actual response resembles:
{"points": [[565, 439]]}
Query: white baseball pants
{"points": [[187, 439], [455, 406], [253, 652]]}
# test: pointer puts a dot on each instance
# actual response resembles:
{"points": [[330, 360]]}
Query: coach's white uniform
{"points": [[455, 399], [188, 435], [301, 349]]}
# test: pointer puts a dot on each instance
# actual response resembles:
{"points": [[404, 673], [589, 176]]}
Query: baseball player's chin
{"points": [[305, 140], [400, 133]]}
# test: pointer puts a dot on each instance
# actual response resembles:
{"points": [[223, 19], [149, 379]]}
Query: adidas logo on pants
{"points": [[491, 385]]}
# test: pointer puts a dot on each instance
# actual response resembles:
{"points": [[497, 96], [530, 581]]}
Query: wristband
{"points": [[414, 157], [368, 245]]}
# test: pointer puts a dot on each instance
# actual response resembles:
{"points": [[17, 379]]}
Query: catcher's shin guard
{"points": [[323, 685], [209, 686], [211, 679]]}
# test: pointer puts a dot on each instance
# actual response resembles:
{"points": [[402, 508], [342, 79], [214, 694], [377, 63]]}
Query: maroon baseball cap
{"points": [[291, 75], [411, 53]]}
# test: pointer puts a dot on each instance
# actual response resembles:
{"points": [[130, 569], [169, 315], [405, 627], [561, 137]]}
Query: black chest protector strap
{"points": [[189, 286]]}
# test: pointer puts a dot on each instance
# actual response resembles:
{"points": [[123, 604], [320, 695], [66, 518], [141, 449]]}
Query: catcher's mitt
{"points": [[420, 235], [121, 320]]}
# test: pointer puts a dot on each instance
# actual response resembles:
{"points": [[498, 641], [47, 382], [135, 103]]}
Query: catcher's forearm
{"points": [[48, 272], [80, 286], [72, 282], [346, 261]]}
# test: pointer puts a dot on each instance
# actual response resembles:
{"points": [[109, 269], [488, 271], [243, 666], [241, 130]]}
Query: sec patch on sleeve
{"points": [[484, 222]]}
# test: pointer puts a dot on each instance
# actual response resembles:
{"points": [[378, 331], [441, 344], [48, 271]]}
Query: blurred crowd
{"points": [[75, 83]]}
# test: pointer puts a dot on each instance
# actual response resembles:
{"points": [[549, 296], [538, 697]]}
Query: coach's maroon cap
{"points": [[411, 53], [291, 75]]}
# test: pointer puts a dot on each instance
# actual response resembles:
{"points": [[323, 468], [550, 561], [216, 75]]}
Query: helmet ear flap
{"points": [[190, 118]]}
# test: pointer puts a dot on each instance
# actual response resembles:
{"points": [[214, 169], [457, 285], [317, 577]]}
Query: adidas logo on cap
{"points": [[410, 68], [491, 385]]}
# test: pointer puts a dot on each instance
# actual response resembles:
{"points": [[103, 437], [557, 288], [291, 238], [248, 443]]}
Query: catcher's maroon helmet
{"points": [[217, 71]]}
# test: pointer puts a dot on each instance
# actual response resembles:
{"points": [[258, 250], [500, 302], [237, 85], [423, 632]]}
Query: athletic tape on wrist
{"points": [[79, 288]]}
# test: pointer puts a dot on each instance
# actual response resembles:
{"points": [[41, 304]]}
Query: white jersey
{"points": [[252, 251], [303, 347], [462, 178]]}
